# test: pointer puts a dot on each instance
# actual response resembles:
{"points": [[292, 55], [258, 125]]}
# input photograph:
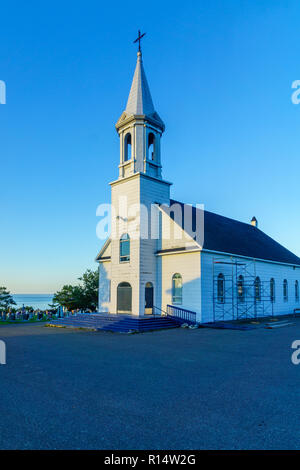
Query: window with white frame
{"points": [[285, 291], [297, 291], [177, 289], [241, 289], [272, 290], [221, 288], [257, 289], [124, 248]]}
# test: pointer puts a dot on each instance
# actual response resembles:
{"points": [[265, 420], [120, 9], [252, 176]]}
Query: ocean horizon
{"points": [[36, 301]]}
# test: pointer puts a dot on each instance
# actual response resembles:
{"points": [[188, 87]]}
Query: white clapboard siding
{"points": [[263, 269]]}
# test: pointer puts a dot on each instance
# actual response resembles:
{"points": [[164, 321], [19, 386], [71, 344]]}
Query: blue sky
{"points": [[220, 73]]}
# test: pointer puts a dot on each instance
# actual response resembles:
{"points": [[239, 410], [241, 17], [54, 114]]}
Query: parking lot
{"points": [[171, 389]]}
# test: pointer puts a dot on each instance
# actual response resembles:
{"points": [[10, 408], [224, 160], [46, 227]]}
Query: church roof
{"points": [[139, 100], [227, 235]]}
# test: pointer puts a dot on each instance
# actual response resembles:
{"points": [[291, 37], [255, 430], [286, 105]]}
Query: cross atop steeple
{"points": [[138, 39]]}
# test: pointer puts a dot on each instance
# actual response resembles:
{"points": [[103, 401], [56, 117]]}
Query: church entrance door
{"points": [[124, 298], [149, 298]]}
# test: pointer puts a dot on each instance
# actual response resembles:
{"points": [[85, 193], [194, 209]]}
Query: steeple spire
{"points": [[139, 100]]}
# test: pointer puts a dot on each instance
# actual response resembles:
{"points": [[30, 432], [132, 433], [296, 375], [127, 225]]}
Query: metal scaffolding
{"points": [[238, 293]]}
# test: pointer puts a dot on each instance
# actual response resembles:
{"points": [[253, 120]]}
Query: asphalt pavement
{"points": [[171, 389]]}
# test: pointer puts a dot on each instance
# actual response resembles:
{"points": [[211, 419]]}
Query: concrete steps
{"points": [[118, 323]]}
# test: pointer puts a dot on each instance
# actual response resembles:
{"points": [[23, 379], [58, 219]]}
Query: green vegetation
{"points": [[83, 296], [6, 299], [18, 320]]}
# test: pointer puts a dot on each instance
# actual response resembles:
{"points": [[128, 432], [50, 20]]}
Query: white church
{"points": [[164, 257]]}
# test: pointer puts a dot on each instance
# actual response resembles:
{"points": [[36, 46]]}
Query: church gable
{"points": [[105, 252], [123, 118], [173, 236]]}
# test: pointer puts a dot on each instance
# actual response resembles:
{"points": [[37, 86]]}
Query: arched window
{"points": [[177, 289], [124, 298], [151, 146], [124, 248], [127, 149], [241, 289], [297, 291], [221, 288], [272, 290], [257, 289], [285, 291]]}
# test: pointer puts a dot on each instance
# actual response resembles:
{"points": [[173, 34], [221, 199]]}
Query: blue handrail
{"points": [[181, 313]]}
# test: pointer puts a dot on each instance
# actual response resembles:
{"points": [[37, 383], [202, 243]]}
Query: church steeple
{"points": [[140, 129], [134, 224]]}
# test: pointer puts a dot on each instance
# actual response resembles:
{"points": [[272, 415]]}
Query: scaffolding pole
{"points": [[242, 294]]}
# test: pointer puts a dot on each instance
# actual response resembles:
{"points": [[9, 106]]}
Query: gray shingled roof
{"points": [[231, 236]]}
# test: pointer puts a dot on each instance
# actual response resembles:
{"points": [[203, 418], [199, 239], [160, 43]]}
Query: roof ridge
{"points": [[219, 215]]}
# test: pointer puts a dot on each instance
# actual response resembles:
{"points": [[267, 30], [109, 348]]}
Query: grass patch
{"points": [[13, 322], [48, 325]]}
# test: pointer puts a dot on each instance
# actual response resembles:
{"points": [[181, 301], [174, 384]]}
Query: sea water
{"points": [[36, 301]]}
